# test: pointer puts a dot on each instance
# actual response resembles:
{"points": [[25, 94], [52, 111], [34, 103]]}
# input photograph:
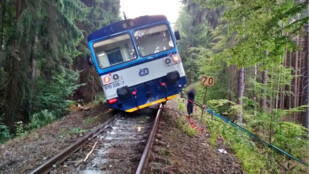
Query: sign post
{"points": [[206, 81]]}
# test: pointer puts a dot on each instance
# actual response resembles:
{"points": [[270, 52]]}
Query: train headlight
{"points": [[176, 58], [107, 79]]}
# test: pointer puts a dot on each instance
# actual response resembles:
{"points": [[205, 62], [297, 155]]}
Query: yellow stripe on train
{"points": [[151, 103]]}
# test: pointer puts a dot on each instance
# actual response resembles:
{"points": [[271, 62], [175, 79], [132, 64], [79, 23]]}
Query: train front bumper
{"points": [[146, 94]]}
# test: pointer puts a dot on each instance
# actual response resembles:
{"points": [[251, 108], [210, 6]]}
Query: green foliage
{"points": [[256, 157], [185, 127], [54, 93], [255, 35], [292, 137], [213, 138], [99, 98], [39, 41], [41, 118], [4, 132], [193, 35], [20, 129], [77, 131], [225, 107], [257, 26], [181, 105]]}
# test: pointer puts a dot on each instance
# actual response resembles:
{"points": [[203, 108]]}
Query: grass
{"points": [[77, 131], [92, 120], [185, 127]]}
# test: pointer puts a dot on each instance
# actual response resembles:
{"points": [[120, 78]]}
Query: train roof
{"points": [[125, 25]]}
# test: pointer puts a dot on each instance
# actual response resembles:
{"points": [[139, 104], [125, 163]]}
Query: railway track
{"points": [[120, 145]]}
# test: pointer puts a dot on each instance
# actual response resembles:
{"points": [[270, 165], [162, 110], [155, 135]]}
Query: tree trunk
{"points": [[282, 90], [240, 92], [263, 101], [290, 86], [33, 56], [306, 80], [296, 80], [300, 91], [1, 30], [18, 9]]}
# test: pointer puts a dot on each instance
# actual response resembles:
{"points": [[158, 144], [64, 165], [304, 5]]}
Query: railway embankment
{"points": [[22, 154], [178, 150], [175, 150]]}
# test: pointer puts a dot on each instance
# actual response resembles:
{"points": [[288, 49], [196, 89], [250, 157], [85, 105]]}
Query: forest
{"points": [[256, 50], [43, 50]]}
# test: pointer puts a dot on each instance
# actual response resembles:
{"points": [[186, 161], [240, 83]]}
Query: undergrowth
{"points": [[4, 132], [41, 118], [184, 126], [181, 122], [257, 158], [99, 98], [77, 131]]}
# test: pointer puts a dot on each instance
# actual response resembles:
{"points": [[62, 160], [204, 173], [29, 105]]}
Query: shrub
{"points": [[257, 158], [99, 98], [53, 95], [20, 129], [181, 105], [4, 132], [185, 127], [41, 118]]}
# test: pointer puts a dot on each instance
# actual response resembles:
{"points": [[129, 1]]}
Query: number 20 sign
{"points": [[207, 81]]}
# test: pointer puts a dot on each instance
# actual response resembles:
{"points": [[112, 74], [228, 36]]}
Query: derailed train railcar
{"points": [[138, 62]]}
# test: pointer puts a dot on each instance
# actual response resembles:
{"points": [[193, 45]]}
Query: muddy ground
{"points": [[23, 154], [173, 152]]}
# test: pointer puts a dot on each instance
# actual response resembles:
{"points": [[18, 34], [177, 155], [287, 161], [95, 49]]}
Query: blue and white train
{"points": [[138, 62]]}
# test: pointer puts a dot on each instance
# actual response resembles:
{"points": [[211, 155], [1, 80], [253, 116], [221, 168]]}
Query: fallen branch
{"points": [[87, 156]]}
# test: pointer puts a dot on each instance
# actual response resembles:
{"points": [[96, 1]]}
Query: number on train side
{"points": [[207, 81]]}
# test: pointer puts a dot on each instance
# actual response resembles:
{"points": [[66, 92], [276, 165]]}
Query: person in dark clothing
{"points": [[191, 95]]}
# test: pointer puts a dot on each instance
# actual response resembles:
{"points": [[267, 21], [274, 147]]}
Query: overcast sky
{"points": [[135, 8]]}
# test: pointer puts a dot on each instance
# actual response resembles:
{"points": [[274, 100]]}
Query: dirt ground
{"points": [[23, 154], [175, 152]]}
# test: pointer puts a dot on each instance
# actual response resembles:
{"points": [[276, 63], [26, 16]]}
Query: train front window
{"points": [[153, 40], [114, 51]]}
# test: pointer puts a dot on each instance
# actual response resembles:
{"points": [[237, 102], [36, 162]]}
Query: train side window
{"points": [[114, 51]]}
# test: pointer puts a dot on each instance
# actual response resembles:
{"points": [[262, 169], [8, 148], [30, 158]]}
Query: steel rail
{"points": [[145, 156], [63, 155]]}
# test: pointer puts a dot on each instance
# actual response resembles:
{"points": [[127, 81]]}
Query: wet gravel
{"points": [[116, 150]]}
